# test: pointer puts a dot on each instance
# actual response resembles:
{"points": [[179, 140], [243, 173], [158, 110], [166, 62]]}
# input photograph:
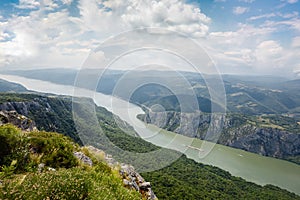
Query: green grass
{"points": [[74, 183], [72, 180]]}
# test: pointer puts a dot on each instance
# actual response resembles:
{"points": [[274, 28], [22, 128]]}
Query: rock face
{"points": [[18, 120], [265, 141], [268, 142], [50, 113], [134, 180], [131, 178], [20, 107]]}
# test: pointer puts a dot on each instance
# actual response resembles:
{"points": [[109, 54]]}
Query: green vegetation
{"points": [[13, 97], [50, 114], [6, 86], [287, 123], [27, 150], [280, 122], [183, 179], [71, 180]]}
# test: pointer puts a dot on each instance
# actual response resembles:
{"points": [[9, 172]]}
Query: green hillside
{"points": [[6, 86], [66, 178], [183, 179]]}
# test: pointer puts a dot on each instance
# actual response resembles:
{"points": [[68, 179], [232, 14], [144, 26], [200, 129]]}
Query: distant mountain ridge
{"points": [[244, 94]]}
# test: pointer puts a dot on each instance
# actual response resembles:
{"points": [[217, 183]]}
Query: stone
{"points": [[41, 166], [51, 169], [18, 120], [83, 158], [145, 185]]}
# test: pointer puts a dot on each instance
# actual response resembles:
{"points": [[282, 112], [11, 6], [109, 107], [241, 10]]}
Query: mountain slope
{"points": [[46, 168], [183, 179], [245, 94], [6, 86], [268, 135]]}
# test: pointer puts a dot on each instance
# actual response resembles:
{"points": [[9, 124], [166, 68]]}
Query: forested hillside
{"points": [[183, 179]]}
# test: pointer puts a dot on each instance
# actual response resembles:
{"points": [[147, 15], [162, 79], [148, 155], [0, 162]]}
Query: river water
{"points": [[252, 167]]}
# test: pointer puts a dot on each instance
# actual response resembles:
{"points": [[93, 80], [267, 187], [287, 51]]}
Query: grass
{"points": [[71, 180]]}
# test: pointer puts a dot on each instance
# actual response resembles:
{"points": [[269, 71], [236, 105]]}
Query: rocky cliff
{"points": [[51, 114], [20, 121], [236, 132]]}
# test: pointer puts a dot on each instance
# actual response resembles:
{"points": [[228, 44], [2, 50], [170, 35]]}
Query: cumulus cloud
{"points": [[268, 50], [240, 10], [50, 36], [171, 14], [53, 35]]}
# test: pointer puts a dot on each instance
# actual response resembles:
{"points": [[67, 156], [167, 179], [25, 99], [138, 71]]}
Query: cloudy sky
{"points": [[241, 36]]}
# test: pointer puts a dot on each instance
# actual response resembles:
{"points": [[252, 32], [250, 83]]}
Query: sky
{"points": [[257, 37]]}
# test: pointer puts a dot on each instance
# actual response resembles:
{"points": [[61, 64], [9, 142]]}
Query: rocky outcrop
{"points": [[20, 121], [83, 158], [267, 142], [50, 113], [131, 178], [235, 133], [22, 108], [134, 180]]}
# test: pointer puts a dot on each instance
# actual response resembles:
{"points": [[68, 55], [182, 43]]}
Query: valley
{"points": [[246, 166]]}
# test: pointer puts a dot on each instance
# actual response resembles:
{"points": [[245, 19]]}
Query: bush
{"points": [[74, 183], [30, 149]]}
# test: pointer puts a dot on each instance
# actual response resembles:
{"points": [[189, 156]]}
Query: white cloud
{"points": [[4, 36], [55, 39], [172, 14], [292, 1], [293, 24], [247, 1], [269, 49], [68, 2], [246, 50], [268, 15], [28, 4], [246, 35], [61, 40], [296, 42], [240, 10], [271, 15], [288, 15]]}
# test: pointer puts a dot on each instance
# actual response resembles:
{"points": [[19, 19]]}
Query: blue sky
{"points": [[241, 36]]}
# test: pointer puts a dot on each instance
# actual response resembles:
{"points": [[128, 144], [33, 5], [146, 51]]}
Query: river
{"points": [[252, 167]]}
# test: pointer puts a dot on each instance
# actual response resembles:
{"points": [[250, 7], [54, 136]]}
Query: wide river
{"points": [[252, 167]]}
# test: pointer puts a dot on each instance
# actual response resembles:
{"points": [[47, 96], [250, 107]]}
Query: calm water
{"points": [[252, 167]]}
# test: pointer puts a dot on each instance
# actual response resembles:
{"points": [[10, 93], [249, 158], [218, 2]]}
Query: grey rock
{"points": [[41, 167], [51, 169], [265, 141], [145, 185], [18, 120], [83, 158]]}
